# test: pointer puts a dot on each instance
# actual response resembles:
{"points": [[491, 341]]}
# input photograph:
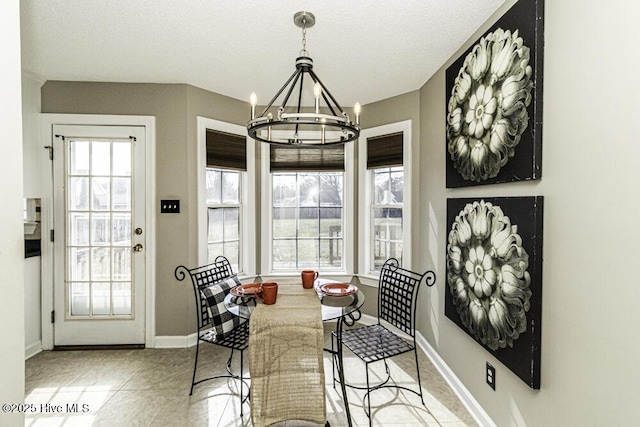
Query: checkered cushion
{"points": [[221, 319]]}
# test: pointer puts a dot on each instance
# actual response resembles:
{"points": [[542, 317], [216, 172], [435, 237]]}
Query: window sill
{"points": [[368, 280]]}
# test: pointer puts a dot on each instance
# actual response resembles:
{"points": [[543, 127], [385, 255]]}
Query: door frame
{"points": [[47, 258]]}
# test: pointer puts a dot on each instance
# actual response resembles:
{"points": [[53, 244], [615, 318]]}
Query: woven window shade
{"points": [[384, 150], [330, 158], [226, 150]]}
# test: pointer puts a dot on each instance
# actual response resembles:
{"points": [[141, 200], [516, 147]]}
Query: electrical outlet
{"points": [[491, 376]]}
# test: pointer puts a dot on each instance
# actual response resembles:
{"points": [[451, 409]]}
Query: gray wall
{"points": [[175, 107], [591, 153]]}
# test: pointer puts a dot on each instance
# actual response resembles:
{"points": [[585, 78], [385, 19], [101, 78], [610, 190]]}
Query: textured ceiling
{"points": [[362, 50]]}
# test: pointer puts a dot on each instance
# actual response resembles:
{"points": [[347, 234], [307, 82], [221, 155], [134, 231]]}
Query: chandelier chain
{"points": [[304, 52]]}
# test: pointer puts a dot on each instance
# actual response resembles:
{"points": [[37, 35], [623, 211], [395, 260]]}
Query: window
{"points": [[226, 195], [223, 189], [386, 213], [384, 196], [307, 209], [307, 220]]}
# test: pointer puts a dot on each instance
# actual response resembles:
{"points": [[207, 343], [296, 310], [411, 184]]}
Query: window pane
{"points": [[330, 253], [284, 190], [122, 194], [231, 224], [331, 222], [122, 264], [122, 298], [122, 158], [101, 298], [79, 228], [213, 186], [381, 186], [100, 158], [215, 250], [122, 229], [79, 156], [284, 254], [100, 264], [309, 190], [397, 186], [101, 229], [79, 264], [308, 256], [308, 223], [331, 190], [101, 196], [78, 193], [284, 222], [230, 187], [387, 235], [79, 299], [232, 252], [216, 225]]}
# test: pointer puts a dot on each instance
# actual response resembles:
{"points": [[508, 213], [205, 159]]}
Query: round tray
{"points": [[246, 290], [338, 289]]}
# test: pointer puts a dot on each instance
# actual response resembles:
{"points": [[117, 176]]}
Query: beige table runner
{"points": [[286, 341]]}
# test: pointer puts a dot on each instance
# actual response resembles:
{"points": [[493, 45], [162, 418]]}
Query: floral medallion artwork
{"points": [[494, 102], [494, 272]]}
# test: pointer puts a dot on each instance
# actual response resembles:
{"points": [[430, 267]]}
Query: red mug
{"points": [[308, 277], [268, 293]]}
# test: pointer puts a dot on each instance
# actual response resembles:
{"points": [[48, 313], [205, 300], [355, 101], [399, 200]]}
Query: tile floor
{"points": [[151, 388]]}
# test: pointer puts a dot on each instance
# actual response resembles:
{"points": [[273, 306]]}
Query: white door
{"points": [[100, 235]]}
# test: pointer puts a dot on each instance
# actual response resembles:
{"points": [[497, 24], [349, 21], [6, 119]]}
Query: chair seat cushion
{"points": [[374, 342], [222, 321]]}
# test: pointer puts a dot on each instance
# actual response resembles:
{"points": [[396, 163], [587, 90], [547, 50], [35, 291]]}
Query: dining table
{"points": [[342, 308]]}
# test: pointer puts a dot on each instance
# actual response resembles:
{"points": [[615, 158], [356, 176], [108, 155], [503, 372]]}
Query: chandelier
{"points": [[294, 126]]}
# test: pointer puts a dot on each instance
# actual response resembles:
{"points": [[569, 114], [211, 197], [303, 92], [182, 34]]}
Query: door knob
{"points": [[138, 248]]}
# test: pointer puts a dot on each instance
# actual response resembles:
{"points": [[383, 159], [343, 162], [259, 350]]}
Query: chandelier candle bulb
{"points": [[357, 108], [253, 100], [317, 91]]}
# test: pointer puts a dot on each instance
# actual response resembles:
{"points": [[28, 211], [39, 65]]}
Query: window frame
{"points": [[348, 207], [366, 266], [247, 230]]}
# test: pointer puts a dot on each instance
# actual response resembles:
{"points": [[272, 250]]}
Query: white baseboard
{"points": [[32, 349], [467, 399], [176, 341]]}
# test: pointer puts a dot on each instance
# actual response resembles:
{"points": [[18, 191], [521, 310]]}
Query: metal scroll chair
{"points": [[216, 325], [397, 301]]}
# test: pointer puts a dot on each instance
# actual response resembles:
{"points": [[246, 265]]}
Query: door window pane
{"points": [[79, 297], [122, 298], [101, 194], [122, 158], [101, 158], [79, 193], [101, 298], [79, 157]]}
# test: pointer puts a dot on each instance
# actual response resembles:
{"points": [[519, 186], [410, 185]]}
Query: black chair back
{"points": [[202, 277], [398, 295]]}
